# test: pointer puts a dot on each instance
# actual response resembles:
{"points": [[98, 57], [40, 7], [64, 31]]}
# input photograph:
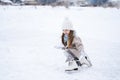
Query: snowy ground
{"points": [[28, 36]]}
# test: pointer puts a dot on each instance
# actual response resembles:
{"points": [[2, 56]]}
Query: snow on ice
{"points": [[28, 35]]}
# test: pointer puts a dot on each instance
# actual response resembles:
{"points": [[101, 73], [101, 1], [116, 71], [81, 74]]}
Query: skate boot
{"points": [[72, 66], [86, 61]]}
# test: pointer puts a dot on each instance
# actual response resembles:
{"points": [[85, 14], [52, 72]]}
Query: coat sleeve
{"points": [[77, 46]]}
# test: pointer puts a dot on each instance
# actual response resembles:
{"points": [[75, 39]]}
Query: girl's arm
{"points": [[76, 47]]}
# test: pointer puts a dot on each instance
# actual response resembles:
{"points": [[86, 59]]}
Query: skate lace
{"points": [[70, 63]]}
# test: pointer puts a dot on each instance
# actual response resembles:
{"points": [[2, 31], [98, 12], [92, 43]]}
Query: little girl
{"points": [[73, 47]]}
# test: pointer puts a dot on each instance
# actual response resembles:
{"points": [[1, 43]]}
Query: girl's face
{"points": [[66, 31]]}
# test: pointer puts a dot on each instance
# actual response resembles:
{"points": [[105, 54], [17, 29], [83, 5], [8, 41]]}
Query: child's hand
{"points": [[65, 48]]}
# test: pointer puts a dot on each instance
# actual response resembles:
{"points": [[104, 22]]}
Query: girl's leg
{"points": [[73, 57], [68, 57]]}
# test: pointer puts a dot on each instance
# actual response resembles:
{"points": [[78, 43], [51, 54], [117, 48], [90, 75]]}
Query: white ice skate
{"points": [[85, 61], [72, 66]]}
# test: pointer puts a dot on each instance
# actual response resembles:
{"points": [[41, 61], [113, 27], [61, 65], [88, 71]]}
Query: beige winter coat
{"points": [[76, 47]]}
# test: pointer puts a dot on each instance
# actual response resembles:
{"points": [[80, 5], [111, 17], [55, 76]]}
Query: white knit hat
{"points": [[67, 24]]}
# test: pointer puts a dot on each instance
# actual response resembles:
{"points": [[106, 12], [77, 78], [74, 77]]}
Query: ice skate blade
{"points": [[76, 69]]}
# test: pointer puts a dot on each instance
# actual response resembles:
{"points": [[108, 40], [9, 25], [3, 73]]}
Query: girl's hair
{"points": [[70, 38]]}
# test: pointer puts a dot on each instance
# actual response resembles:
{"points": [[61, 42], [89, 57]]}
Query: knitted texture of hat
{"points": [[67, 24]]}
